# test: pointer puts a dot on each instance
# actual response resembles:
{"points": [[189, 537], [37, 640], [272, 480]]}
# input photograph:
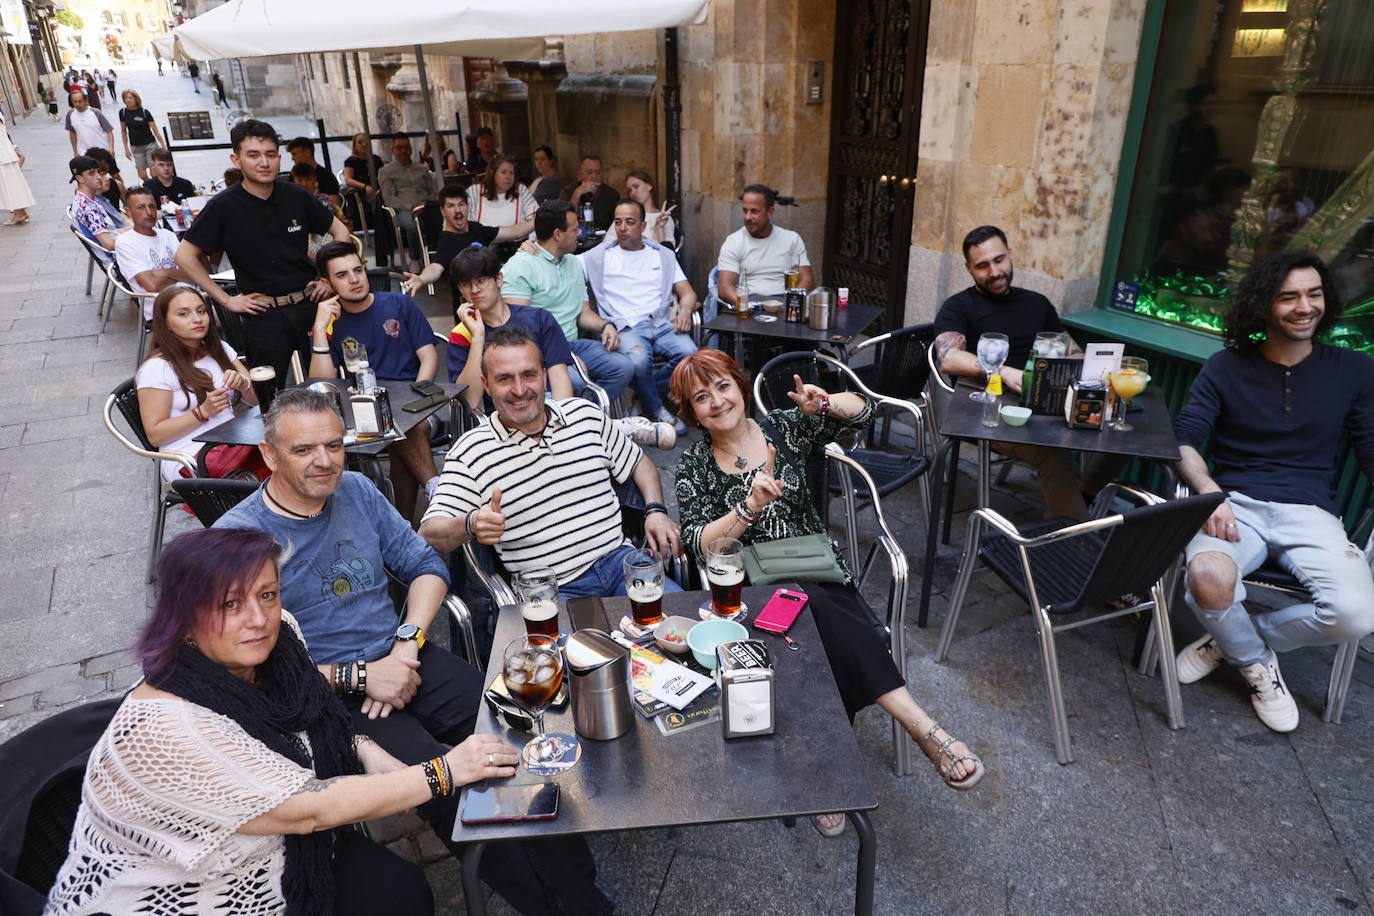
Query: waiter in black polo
{"points": [[264, 225]]}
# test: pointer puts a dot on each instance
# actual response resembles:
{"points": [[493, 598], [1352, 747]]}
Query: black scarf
{"points": [[289, 696]]}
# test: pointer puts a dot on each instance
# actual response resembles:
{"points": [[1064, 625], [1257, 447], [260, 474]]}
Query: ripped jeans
{"points": [[642, 343]]}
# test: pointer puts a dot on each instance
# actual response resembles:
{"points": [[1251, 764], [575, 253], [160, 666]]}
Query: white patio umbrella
{"points": [[463, 28]]}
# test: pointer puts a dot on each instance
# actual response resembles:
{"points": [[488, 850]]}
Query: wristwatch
{"points": [[408, 631]]}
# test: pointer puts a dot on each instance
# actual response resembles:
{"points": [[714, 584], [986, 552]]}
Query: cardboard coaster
{"points": [[705, 612], [570, 751]]}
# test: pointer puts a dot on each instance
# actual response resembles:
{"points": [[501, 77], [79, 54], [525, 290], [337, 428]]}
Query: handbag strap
{"points": [[779, 442]]}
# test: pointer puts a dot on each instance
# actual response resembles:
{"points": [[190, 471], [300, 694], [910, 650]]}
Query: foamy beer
{"points": [[538, 593], [644, 587], [264, 379], [725, 574]]}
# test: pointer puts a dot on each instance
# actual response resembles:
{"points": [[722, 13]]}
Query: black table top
{"points": [[849, 323], [246, 428], [644, 778], [1152, 438]]}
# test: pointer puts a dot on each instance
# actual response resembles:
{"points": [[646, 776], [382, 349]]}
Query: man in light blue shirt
{"points": [[551, 278]]}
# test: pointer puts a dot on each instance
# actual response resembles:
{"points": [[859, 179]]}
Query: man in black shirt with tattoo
{"points": [[993, 305], [264, 225]]}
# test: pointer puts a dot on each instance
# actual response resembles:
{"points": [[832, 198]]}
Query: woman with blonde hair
{"points": [[138, 131]]}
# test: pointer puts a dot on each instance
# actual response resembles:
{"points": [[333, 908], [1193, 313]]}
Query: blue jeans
{"points": [[642, 343], [606, 577], [610, 370], [1311, 544]]}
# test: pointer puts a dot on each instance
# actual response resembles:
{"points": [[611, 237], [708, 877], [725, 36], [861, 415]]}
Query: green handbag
{"points": [[805, 558]]}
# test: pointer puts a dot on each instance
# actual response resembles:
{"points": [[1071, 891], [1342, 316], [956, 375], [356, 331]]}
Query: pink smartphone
{"points": [[780, 611]]}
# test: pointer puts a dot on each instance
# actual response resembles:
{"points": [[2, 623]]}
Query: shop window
{"points": [[1258, 137]]}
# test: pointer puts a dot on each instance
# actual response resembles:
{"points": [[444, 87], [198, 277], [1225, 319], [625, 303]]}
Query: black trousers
{"points": [[535, 876], [370, 879], [854, 644], [272, 336]]}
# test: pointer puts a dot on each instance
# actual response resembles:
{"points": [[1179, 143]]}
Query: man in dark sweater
{"points": [[1276, 405], [459, 234], [993, 306]]}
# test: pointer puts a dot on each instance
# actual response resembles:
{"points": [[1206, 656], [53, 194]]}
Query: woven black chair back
{"points": [[126, 399], [210, 498], [902, 369], [1141, 548]]}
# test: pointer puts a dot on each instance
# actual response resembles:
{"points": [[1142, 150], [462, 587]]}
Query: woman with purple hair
{"points": [[222, 778]]}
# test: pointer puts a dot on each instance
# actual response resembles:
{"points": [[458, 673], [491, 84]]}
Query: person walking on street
{"points": [[193, 69], [218, 80], [110, 85], [85, 126], [15, 195]]}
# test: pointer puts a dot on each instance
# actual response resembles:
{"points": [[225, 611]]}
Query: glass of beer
{"points": [[1127, 382], [533, 670], [792, 278], [537, 590], [264, 379], [725, 574], [644, 587], [354, 354]]}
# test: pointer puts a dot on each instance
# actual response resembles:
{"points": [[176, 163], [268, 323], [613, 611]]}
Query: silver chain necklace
{"points": [[741, 461]]}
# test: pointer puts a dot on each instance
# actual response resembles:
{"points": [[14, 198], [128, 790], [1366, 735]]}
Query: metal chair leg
{"points": [[1054, 690], [897, 597], [956, 595], [1168, 663], [90, 274], [1342, 669], [155, 538]]}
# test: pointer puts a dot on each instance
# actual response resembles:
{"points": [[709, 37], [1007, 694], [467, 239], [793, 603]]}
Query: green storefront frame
{"points": [[1176, 353]]}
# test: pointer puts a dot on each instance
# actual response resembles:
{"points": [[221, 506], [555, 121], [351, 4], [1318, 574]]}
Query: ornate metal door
{"points": [[880, 51]]}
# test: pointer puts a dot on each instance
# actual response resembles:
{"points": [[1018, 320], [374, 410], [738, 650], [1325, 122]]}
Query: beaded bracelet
{"points": [[431, 771], [746, 517], [825, 406]]}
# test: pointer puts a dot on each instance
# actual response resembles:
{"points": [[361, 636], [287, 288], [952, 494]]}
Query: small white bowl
{"points": [[681, 624], [1014, 415]]}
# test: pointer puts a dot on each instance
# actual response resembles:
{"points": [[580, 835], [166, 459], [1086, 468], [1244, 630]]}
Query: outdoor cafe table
{"points": [[246, 428], [962, 420], [645, 779], [849, 323]]}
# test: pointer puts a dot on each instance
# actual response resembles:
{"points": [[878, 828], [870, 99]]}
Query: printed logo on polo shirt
{"points": [[294, 227], [392, 327]]}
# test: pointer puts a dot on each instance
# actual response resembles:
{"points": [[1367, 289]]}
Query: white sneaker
{"points": [[1273, 703], [1198, 660], [643, 431], [667, 416]]}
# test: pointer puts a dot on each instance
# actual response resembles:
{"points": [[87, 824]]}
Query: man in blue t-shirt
{"points": [[410, 695], [1275, 405], [400, 347]]}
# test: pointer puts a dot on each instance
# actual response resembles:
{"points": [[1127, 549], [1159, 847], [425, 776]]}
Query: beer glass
{"points": [[992, 353], [354, 354], [1128, 381], [264, 380], [725, 574], [538, 593], [792, 279], [644, 587], [533, 670]]}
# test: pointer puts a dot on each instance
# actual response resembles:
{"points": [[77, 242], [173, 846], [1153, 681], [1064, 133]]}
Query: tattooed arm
{"points": [[321, 804], [956, 360]]}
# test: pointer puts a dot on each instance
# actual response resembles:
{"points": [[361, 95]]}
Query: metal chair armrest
{"points": [[1006, 528], [502, 595], [180, 458], [937, 376], [1104, 498], [835, 453], [460, 617], [602, 398], [869, 344]]}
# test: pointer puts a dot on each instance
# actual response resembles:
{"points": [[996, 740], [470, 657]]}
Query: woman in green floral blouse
{"points": [[736, 475]]}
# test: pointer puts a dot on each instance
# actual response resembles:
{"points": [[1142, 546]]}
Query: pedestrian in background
{"points": [[15, 195]]}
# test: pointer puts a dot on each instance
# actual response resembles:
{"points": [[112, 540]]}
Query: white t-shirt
{"points": [[90, 126], [632, 285], [763, 262], [502, 211], [136, 253], [158, 373]]}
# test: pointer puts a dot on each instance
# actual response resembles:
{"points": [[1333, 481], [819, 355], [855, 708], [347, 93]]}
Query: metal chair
{"points": [[429, 222], [116, 283], [99, 257], [891, 469], [1062, 570], [211, 497], [594, 392], [124, 399], [900, 366]]}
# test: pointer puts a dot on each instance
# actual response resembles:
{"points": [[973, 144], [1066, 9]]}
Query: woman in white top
{"points": [[15, 195], [658, 224], [189, 384], [219, 783], [500, 200]]}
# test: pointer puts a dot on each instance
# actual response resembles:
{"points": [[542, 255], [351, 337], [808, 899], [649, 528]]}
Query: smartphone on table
{"points": [[781, 611], [504, 804]]}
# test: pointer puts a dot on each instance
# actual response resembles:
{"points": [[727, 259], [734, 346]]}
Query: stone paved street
{"points": [[1222, 817]]}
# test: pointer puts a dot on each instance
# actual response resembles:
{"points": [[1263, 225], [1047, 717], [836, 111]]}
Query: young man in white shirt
{"points": [[636, 282], [86, 126], [147, 255], [761, 251]]}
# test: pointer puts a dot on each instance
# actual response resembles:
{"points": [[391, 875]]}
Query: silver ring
{"points": [[491, 760], [1232, 525]]}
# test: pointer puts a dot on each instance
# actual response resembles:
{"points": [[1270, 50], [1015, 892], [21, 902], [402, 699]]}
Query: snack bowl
{"points": [[1015, 416], [678, 626], [706, 635]]}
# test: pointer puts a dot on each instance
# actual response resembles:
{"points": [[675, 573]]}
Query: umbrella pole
{"points": [[436, 146], [367, 128]]}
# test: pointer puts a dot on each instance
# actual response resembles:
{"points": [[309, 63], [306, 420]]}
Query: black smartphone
{"points": [[502, 804], [587, 612], [425, 403], [426, 388]]}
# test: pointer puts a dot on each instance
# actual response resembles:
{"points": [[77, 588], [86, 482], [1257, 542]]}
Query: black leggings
{"points": [[371, 879]]}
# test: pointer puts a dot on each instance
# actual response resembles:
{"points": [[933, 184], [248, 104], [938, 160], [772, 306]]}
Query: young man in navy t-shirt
{"points": [[400, 346]]}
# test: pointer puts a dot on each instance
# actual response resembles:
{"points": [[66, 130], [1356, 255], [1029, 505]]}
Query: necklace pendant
{"points": [[741, 462]]}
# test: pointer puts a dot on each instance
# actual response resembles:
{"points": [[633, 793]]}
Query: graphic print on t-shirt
{"points": [[346, 574], [392, 327]]}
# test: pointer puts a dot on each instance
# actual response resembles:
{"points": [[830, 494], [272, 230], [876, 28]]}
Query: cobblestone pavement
{"points": [[1221, 817]]}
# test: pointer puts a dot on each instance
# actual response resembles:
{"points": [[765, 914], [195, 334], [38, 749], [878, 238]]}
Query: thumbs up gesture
{"points": [[488, 522], [765, 487]]}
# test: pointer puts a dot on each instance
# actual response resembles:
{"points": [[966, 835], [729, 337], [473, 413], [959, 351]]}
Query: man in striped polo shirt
{"points": [[536, 480]]}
